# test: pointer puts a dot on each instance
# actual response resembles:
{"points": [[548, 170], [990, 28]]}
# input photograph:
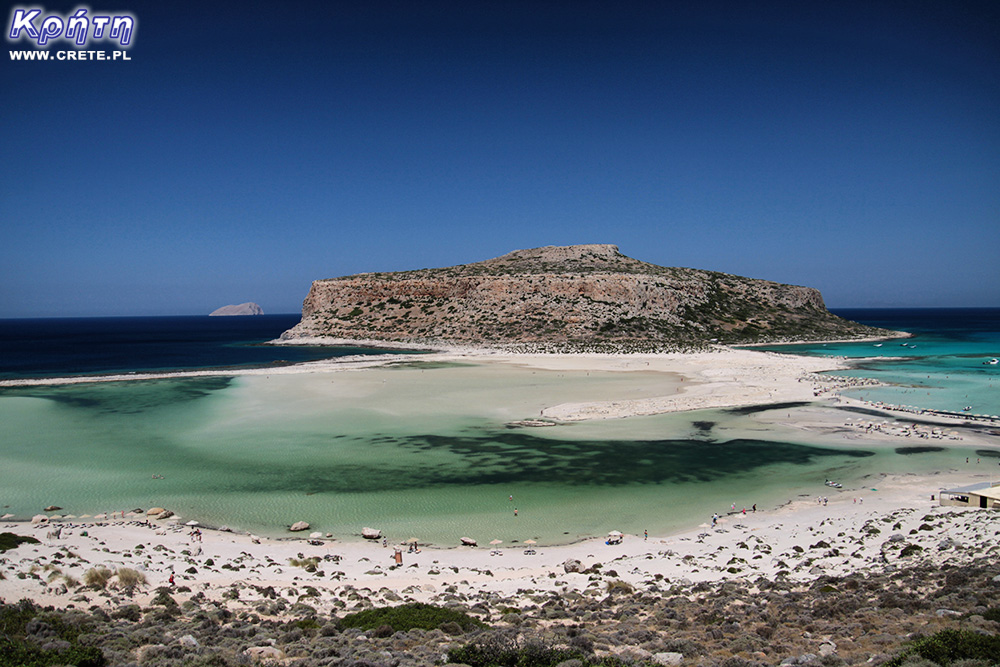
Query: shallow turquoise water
{"points": [[416, 452], [944, 365]]}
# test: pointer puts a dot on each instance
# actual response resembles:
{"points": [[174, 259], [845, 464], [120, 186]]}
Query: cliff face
{"points": [[586, 296]]}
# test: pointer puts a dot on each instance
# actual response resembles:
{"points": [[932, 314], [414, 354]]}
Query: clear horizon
{"points": [[244, 151]]}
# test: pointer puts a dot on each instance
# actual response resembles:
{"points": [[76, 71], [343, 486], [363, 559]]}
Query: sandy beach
{"points": [[848, 531]]}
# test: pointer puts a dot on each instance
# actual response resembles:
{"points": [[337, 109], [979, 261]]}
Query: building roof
{"points": [[982, 489]]}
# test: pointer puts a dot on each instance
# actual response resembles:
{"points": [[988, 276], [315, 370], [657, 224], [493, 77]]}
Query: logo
{"points": [[30, 24]]}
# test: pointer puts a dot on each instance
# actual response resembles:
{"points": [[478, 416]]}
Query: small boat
{"points": [[834, 485], [877, 345], [991, 362]]}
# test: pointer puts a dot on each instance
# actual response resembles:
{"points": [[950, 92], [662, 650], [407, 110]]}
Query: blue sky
{"points": [[247, 148]]}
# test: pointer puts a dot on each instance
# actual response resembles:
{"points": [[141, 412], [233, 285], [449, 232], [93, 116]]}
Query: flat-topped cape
{"points": [[567, 297]]}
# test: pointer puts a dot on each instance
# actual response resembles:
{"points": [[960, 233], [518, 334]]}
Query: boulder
{"points": [[469, 542], [298, 526], [39, 518], [153, 511], [572, 565], [165, 514], [668, 658], [371, 533], [262, 653], [52, 508]]}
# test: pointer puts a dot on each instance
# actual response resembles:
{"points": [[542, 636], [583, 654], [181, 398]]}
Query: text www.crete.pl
{"points": [[70, 55]]}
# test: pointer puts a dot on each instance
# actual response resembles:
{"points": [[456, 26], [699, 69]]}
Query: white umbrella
{"points": [[192, 523], [615, 533], [530, 542], [496, 542]]}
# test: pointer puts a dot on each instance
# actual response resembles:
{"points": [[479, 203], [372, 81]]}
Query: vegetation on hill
{"points": [[569, 298]]}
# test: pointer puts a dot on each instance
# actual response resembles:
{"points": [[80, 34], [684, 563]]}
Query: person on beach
{"points": [[171, 579], [515, 511], [755, 507], [645, 535]]}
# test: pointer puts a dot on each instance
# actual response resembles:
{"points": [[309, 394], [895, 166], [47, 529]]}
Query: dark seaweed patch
{"points": [[905, 451], [507, 457], [130, 397], [753, 409]]}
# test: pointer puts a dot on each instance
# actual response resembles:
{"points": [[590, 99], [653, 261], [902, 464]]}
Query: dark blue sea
{"points": [[58, 347]]}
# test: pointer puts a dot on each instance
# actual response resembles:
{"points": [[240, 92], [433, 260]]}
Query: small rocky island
{"points": [[248, 308], [581, 297]]}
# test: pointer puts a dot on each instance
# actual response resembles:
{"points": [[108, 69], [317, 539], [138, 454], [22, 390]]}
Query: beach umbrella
{"points": [[530, 542], [495, 542], [615, 533], [192, 523]]}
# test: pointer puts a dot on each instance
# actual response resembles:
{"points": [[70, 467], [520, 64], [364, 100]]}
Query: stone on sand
{"points": [[298, 526]]}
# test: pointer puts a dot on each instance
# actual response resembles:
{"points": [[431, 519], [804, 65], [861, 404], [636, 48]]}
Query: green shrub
{"points": [[17, 651], [12, 541], [408, 616], [164, 599], [497, 651], [949, 646]]}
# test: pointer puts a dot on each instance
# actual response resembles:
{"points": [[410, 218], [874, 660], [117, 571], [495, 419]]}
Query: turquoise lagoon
{"points": [[417, 451]]}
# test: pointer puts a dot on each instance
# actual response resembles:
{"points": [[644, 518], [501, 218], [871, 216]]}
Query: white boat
{"points": [[878, 345], [991, 362]]}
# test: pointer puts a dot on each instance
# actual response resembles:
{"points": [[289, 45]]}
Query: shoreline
{"points": [[773, 543]]}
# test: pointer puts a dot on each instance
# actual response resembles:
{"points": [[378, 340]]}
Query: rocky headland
{"points": [[582, 297]]}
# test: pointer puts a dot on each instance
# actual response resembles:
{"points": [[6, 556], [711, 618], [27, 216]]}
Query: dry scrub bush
{"points": [[97, 577], [129, 578]]}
